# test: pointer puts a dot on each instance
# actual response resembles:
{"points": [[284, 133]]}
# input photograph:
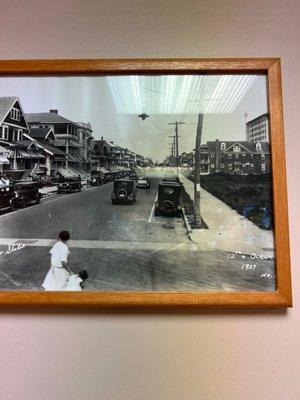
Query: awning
{"points": [[29, 154], [3, 160]]}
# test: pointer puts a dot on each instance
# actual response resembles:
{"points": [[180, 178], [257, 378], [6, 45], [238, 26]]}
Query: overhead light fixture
{"points": [[178, 94]]}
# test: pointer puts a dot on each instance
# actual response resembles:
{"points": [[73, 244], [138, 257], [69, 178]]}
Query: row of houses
{"points": [[50, 144], [232, 157]]}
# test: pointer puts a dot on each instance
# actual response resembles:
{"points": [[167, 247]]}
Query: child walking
{"points": [[77, 282], [58, 274]]}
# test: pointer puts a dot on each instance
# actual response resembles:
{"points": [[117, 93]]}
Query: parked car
{"points": [[133, 176], [124, 191], [97, 179], [69, 185], [7, 195], [168, 201], [143, 183], [26, 192]]}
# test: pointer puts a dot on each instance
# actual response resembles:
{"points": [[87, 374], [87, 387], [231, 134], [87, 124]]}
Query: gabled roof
{"points": [[48, 118], [6, 104], [101, 144], [40, 133]]}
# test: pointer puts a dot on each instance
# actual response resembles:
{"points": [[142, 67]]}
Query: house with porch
{"points": [[21, 156], [67, 139]]}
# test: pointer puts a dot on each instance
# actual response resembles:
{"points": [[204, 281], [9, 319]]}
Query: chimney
{"points": [[54, 111]]}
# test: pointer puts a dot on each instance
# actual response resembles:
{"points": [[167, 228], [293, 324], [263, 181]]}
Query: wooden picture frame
{"points": [[282, 297]]}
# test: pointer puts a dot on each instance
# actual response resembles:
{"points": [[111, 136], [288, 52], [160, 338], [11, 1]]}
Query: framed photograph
{"points": [[143, 183]]}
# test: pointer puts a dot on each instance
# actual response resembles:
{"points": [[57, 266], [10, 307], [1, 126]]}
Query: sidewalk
{"points": [[228, 230]]}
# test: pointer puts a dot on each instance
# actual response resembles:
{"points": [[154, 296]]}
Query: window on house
{"points": [[212, 165], [229, 166], [263, 167], [17, 135], [229, 155], [263, 157], [244, 155], [212, 156], [4, 132], [222, 165], [258, 146], [223, 146], [236, 149], [236, 156], [15, 114], [251, 166], [244, 166]]}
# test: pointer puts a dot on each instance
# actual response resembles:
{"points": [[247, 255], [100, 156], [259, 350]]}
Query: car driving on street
{"points": [[124, 191], [143, 183]]}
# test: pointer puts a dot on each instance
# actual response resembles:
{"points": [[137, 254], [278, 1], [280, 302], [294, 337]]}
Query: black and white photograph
{"points": [[136, 183]]}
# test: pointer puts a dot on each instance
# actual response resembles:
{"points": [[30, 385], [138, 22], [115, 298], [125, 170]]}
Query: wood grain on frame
{"points": [[270, 66]]}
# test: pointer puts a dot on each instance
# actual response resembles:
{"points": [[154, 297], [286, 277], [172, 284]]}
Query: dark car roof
{"points": [[123, 180], [170, 183]]}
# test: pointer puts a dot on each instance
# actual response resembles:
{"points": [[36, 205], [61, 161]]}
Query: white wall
{"points": [[237, 355]]}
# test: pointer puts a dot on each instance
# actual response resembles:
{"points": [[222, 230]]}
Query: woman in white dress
{"points": [[58, 273]]}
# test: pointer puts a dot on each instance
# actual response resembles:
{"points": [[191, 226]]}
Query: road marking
{"points": [[102, 244], [152, 210], [158, 249], [176, 247]]}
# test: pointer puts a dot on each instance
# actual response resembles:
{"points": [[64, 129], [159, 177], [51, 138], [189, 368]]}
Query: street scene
{"points": [[155, 195]]}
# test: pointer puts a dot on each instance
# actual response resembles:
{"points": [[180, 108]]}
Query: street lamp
{"points": [[143, 116]]}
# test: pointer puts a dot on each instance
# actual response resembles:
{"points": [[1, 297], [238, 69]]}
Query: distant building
{"points": [[231, 157], [258, 129]]}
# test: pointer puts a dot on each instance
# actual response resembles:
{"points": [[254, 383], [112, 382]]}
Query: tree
{"points": [[197, 213]]}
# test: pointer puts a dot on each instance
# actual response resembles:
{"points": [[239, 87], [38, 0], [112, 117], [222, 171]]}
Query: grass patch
{"points": [[249, 195]]}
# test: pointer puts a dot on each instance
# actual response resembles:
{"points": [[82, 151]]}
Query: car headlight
{"points": [[17, 194]]}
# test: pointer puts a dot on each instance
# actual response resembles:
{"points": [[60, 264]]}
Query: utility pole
{"points": [[176, 123], [197, 172]]}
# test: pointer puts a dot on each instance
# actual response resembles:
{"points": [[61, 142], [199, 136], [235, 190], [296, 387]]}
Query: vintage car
{"points": [[133, 176], [168, 201], [143, 183], [26, 192], [124, 191], [7, 195], [97, 179], [69, 185]]}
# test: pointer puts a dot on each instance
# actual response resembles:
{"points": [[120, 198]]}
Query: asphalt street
{"points": [[123, 247]]}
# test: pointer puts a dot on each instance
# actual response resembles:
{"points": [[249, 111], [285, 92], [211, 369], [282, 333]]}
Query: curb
{"points": [[187, 224]]}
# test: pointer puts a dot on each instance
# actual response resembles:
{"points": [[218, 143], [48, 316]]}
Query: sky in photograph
{"points": [[93, 100]]}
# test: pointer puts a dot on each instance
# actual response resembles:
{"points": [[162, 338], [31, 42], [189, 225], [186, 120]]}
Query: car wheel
{"points": [[122, 194], [23, 203]]}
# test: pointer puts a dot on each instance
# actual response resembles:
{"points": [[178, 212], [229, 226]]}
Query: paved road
{"points": [[123, 247]]}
